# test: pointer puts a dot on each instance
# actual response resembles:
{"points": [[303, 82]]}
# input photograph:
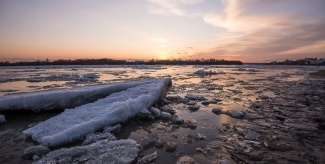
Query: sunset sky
{"points": [[246, 30]]}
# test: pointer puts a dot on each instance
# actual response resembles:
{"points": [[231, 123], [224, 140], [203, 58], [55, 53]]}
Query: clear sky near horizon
{"points": [[246, 30]]}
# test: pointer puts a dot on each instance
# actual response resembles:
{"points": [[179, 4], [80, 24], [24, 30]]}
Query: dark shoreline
{"points": [[124, 62]]}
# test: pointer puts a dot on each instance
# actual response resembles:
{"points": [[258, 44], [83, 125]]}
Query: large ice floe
{"points": [[65, 98], [74, 124]]}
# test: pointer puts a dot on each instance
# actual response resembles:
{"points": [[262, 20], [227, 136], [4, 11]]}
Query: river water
{"points": [[269, 92]]}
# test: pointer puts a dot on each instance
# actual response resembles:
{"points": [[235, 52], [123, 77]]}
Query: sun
{"points": [[163, 56]]}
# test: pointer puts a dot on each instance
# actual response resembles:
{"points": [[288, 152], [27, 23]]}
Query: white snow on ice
{"points": [[62, 99], [74, 124]]}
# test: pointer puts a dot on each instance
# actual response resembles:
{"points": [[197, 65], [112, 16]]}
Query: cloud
{"points": [[60, 25], [170, 7], [223, 2], [258, 30]]}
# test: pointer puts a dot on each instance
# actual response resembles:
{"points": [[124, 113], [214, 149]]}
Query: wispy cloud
{"points": [[167, 7], [223, 2], [60, 25], [259, 30]]}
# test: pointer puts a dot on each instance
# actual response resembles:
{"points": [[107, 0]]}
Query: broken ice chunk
{"points": [[195, 97], [155, 111], [120, 151], [38, 150], [2, 119], [94, 137], [148, 158]]}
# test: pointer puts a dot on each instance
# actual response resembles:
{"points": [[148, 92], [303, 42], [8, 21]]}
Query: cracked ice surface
{"points": [[120, 151], [74, 124]]}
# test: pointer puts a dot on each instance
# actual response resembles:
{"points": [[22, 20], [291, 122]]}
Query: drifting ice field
{"points": [[225, 114]]}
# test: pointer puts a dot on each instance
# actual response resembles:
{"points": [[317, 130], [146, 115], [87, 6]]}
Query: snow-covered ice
{"points": [[62, 99], [120, 151], [74, 124]]}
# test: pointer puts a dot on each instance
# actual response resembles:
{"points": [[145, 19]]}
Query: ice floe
{"points": [[204, 72], [94, 137], [112, 129], [74, 124], [148, 158], [155, 111], [153, 67], [62, 99], [35, 152], [165, 116], [149, 139], [2, 119], [120, 151], [195, 97]]}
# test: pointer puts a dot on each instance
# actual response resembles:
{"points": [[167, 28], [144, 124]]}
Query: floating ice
{"points": [[2, 119], [203, 72], [178, 120], [165, 116], [236, 113], [74, 124], [32, 151], [154, 67], [191, 123], [62, 99], [149, 139], [168, 110], [112, 129], [94, 137], [148, 158], [155, 111], [217, 111], [194, 107], [170, 146], [34, 79], [120, 151], [186, 159], [195, 97], [144, 114]]}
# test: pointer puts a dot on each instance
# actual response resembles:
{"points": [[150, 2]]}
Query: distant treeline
{"points": [[194, 62], [123, 62]]}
